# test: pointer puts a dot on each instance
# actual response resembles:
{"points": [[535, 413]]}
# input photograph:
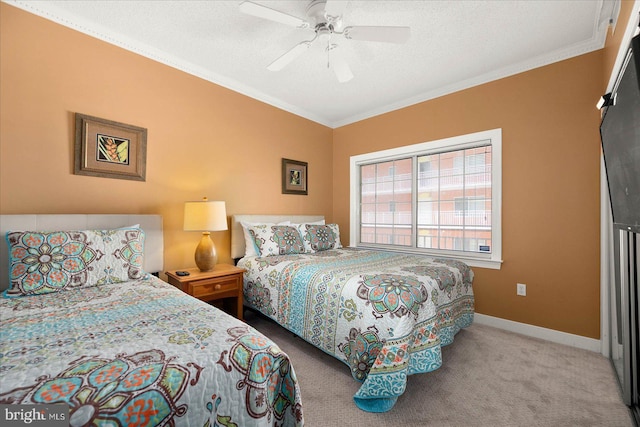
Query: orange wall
{"points": [[202, 140], [551, 164]]}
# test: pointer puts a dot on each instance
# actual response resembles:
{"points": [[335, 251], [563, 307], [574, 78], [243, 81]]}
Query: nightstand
{"points": [[224, 282]]}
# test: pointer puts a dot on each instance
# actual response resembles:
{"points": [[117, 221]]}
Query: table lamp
{"points": [[205, 216]]}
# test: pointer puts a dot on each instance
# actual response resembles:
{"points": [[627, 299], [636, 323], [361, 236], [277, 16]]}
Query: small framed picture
{"points": [[294, 177], [109, 149]]}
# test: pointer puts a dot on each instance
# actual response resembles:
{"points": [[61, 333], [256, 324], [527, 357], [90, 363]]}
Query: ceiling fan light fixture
{"points": [[324, 33]]}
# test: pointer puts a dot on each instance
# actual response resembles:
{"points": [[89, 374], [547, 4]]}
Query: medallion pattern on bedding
{"points": [[276, 239], [257, 358], [143, 353], [385, 315], [318, 238], [388, 293], [141, 389], [44, 262]]}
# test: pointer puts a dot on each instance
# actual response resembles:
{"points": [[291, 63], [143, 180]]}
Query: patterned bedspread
{"points": [[385, 315], [143, 353]]}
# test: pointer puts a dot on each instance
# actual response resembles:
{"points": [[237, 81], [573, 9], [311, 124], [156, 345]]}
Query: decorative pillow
{"points": [[249, 245], [318, 238], [276, 239], [44, 262]]}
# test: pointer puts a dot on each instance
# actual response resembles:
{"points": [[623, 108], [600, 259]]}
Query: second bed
{"points": [[385, 315]]}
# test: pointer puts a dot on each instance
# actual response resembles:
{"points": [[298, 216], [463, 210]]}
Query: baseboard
{"points": [[565, 338]]}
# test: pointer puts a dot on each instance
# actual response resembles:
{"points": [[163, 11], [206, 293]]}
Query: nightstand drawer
{"points": [[223, 283], [210, 287]]}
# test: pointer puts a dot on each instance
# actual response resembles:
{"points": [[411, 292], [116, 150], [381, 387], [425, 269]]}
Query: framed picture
{"points": [[294, 177], [110, 149]]}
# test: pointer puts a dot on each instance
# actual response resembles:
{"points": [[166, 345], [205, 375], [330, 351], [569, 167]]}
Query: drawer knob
{"points": [[217, 287]]}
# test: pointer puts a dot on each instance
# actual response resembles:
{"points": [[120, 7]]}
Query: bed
{"points": [[92, 329], [385, 315]]}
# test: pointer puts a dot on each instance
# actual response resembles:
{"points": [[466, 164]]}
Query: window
{"points": [[441, 198], [386, 203]]}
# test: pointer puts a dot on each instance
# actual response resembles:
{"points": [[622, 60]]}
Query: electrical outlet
{"points": [[521, 289]]}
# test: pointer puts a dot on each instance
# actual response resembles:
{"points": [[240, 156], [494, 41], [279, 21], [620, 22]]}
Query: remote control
{"points": [[182, 273]]}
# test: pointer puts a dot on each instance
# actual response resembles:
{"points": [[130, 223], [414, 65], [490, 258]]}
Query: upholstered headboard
{"points": [[151, 224], [237, 234]]}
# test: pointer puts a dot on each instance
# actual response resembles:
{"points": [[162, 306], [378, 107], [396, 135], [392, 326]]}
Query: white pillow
{"points": [[321, 222], [249, 245]]}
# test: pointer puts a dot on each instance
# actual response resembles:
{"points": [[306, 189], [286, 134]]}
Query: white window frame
{"points": [[491, 260]]}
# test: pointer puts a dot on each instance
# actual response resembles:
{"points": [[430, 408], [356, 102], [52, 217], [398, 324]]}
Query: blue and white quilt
{"points": [[142, 353], [385, 315]]}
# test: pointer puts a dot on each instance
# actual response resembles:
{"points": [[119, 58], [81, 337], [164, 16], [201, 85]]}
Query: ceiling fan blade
{"points": [[284, 59], [334, 9], [342, 69], [378, 34], [265, 12]]}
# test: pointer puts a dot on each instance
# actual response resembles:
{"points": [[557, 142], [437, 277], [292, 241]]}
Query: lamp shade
{"points": [[205, 216]]}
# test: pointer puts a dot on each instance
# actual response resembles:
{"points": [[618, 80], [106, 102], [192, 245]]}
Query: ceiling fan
{"points": [[325, 18]]}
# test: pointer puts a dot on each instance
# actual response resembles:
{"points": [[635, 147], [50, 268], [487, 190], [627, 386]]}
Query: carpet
{"points": [[489, 377]]}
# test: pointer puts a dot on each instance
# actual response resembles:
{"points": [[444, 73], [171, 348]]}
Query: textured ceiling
{"points": [[453, 45]]}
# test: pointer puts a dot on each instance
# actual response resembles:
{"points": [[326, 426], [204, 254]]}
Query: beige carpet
{"points": [[489, 377]]}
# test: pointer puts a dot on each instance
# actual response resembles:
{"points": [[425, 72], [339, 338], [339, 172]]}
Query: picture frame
{"points": [[109, 149], [294, 177]]}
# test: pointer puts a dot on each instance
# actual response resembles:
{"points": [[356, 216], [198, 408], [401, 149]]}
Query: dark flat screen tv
{"points": [[620, 135]]}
